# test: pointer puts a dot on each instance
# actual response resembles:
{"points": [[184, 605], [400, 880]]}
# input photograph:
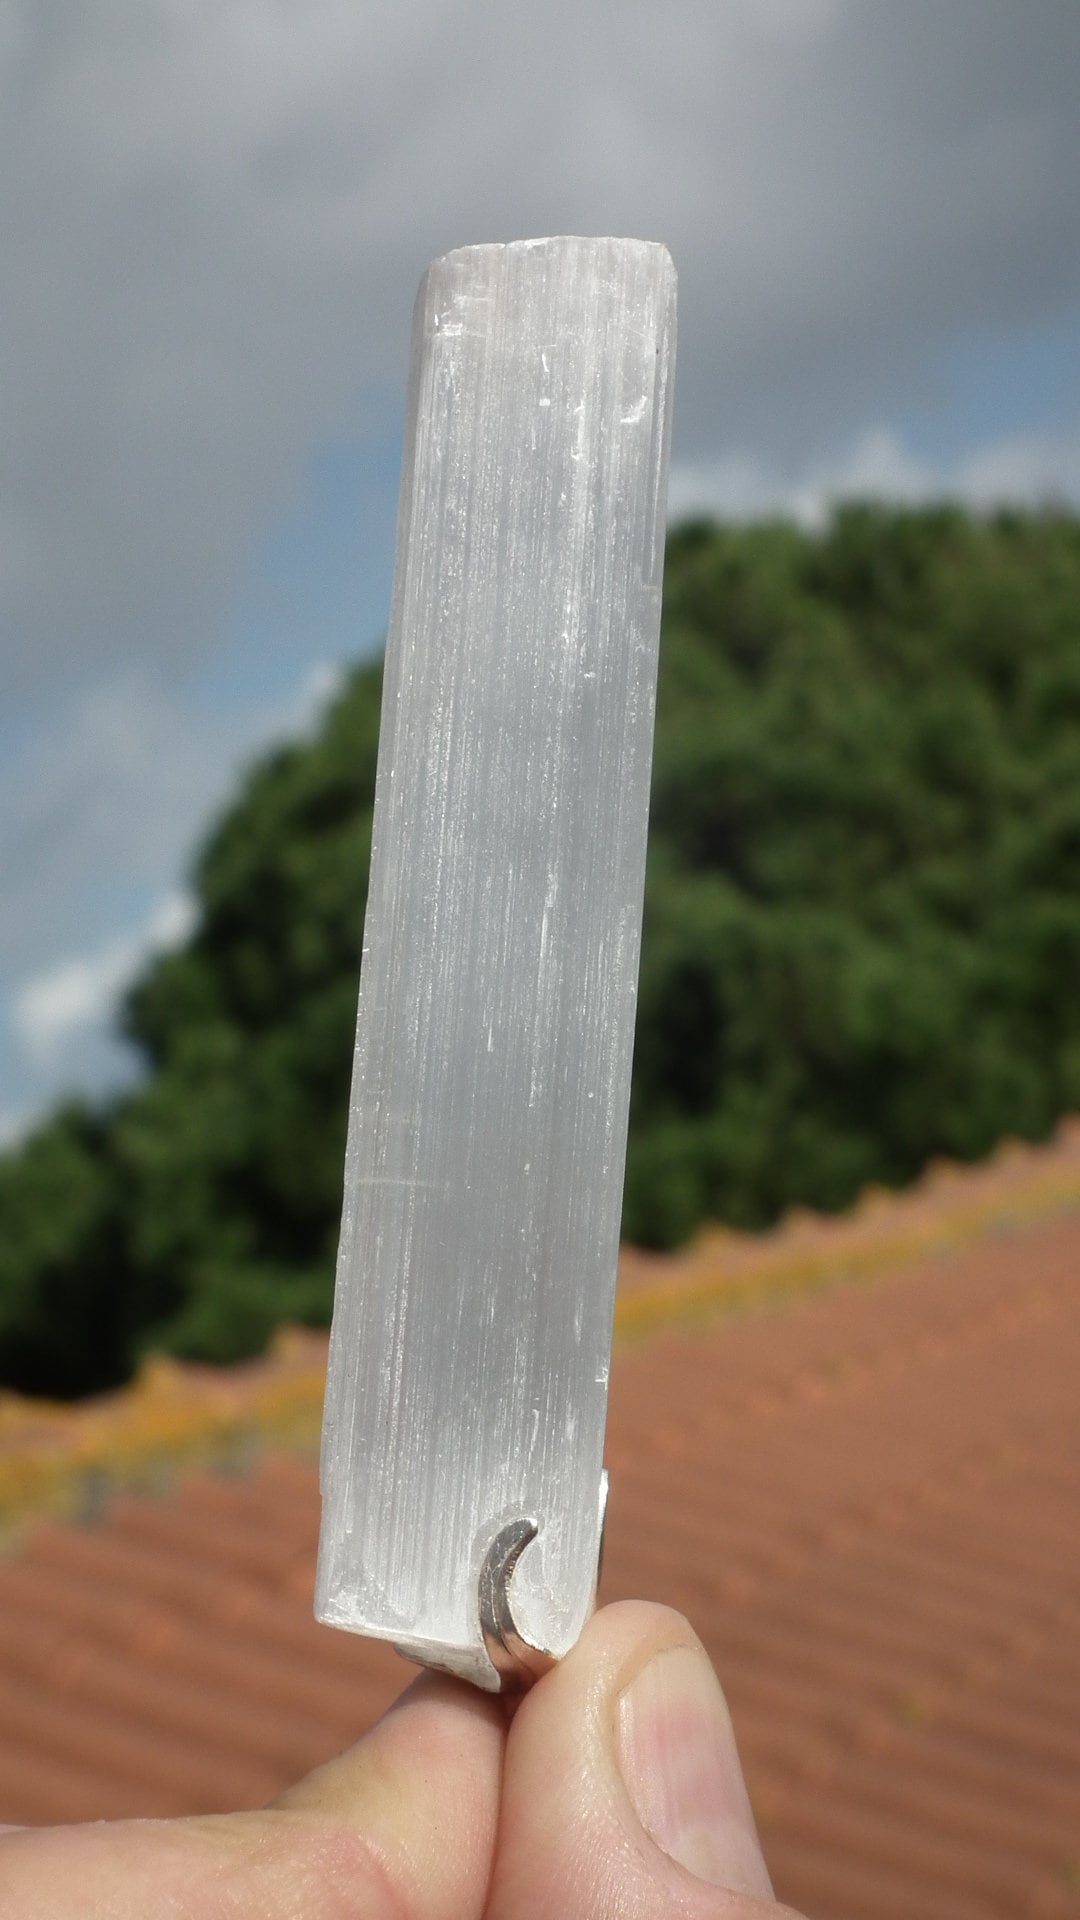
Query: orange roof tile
{"points": [[866, 1500]]}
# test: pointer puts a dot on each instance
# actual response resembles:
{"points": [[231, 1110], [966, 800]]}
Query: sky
{"points": [[213, 218]]}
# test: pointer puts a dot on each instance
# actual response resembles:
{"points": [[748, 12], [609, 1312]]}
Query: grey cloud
{"points": [[106, 801], [99, 810], [98, 815], [213, 219]]}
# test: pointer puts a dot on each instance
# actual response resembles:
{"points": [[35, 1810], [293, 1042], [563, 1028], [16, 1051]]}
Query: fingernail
{"points": [[681, 1769]]}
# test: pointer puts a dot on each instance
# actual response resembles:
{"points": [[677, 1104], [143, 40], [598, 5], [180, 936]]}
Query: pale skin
{"points": [[613, 1792]]}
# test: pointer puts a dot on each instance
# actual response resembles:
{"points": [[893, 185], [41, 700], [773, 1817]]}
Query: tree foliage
{"points": [[864, 898], [862, 943]]}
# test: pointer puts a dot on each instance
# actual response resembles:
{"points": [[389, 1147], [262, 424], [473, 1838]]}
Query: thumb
{"points": [[401, 1827], [622, 1789]]}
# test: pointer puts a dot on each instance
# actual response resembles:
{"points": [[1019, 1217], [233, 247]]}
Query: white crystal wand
{"points": [[462, 1465]]}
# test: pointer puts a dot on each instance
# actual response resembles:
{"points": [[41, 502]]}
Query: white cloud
{"points": [[60, 1005], [94, 824], [98, 809], [1024, 470], [320, 688], [110, 800], [1027, 469]]}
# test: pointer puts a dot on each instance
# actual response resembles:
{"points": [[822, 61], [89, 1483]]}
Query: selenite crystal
{"points": [[483, 1183]]}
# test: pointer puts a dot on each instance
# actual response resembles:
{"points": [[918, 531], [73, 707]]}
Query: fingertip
{"points": [[627, 1633], [438, 1725], [622, 1787], [421, 1791]]}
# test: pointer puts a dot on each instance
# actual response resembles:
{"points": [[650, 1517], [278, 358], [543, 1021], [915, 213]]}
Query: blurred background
{"points": [[863, 913]]}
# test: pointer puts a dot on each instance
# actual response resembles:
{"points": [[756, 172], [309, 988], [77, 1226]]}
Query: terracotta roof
{"points": [[62, 1459], [865, 1498], [869, 1504]]}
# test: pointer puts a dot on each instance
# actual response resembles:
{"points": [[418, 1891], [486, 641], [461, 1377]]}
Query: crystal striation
{"points": [[467, 1385]]}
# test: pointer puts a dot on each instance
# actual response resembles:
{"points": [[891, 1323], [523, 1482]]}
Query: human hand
{"points": [[614, 1790]]}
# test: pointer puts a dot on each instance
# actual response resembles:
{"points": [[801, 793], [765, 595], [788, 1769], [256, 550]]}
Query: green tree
{"points": [[234, 1148], [65, 1312], [861, 950], [863, 907]]}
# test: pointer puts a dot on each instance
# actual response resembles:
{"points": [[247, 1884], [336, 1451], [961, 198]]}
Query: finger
{"points": [[401, 1827], [424, 1791], [622, 1790]]}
